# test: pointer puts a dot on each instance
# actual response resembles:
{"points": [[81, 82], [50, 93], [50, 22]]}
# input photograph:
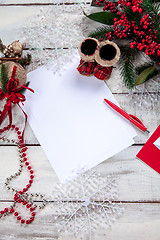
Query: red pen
{"points": [[129, 117]]}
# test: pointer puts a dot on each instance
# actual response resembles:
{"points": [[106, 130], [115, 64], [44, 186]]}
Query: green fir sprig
{"points": [[1, 46], [26, 60], [4, 78], [100, 32], [126, 66], [152, 7], [132, 16]]}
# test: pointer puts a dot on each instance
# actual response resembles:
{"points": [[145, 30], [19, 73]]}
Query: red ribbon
{"points": [[13, 96]]}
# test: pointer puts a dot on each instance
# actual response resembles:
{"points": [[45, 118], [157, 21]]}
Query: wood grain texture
{"points": [[136, 181], [128, 103], [139, 221], [43, 2], [138, 184]]}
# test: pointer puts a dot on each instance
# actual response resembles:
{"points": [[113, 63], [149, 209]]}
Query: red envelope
{"points": [[149, 153]]}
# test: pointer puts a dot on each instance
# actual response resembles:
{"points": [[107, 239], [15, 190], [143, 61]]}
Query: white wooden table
{"points": [[138, 184]]}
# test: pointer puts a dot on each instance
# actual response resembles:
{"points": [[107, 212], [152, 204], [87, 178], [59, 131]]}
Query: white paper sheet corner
{"points": [[157, 143]]}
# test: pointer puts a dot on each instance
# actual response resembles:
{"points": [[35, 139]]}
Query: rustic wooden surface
{"points": [[138, 185]]}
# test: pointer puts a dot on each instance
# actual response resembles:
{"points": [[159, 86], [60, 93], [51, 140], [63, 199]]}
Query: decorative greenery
{"points": [[100, 33], [132, 16], [143, 66], [26, 60], [135, 25], [146, 74], [103, 17], [152, 8], [4, 78], [126, 66], [1, 46]]}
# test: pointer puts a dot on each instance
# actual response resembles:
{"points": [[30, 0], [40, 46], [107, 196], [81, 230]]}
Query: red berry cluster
{"points": [[111, 6], [143, 35], [108, 36], [18, 197], [122, 26]]}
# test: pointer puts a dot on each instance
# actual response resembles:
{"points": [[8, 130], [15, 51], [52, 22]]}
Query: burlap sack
{"points": [[20, 72]]}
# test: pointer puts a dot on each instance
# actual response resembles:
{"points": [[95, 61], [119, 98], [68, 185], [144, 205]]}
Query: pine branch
{"points": [[4, 78], [132, 16], [126, 66], [1, 46], [153, 9], [100, 32], [26, 60]]}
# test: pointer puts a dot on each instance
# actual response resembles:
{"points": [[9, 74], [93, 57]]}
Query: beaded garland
{"points": [[21, 196]]}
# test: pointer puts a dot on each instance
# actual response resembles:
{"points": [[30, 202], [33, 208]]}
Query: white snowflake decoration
{"points": [[86, 203], [59, 28]]}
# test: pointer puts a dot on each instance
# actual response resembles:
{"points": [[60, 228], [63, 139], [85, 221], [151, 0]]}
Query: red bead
{"points": [[19, 133], [31, 172], [24, 159], [28, 222], [2, 212], [24, 189], [11, 210], [30, 181], [18, 218], [32, 219], [28, 205], [6, 210], [31, 176], [33, 214], [32, 209], [24, 154], [26, 163], [13, 126], [22, 221], [16, 129], [16, 214], [29, 167]]}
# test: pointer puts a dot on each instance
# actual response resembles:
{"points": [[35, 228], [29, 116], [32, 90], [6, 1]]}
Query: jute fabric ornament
{"points": [[20, 72]]}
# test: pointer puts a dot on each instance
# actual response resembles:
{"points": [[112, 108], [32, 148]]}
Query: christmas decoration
{"points": [[97, 58], [11, 92], [8, 68], [19, 195], [88, 201], [134, 25], [12, 77], [14, 53]]}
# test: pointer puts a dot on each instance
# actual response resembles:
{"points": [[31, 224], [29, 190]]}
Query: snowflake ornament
{"points": [[87, 203]]}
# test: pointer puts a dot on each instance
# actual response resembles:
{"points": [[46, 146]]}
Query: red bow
{"points": [[12, 96]]}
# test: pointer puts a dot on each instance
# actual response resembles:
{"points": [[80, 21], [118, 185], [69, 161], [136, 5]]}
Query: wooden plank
{"points": [[136, 181], [18, 17], [139, 221], [42, 2], [150, 118]]}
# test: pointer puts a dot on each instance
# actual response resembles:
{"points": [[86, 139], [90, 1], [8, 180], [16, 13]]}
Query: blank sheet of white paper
{"points": [[69, 117]]}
